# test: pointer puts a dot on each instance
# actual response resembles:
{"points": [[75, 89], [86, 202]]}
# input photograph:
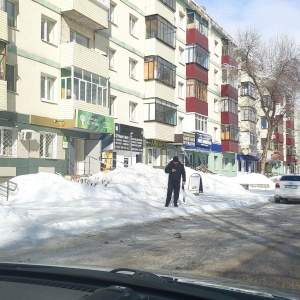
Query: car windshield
{"points": [[158, 135]]}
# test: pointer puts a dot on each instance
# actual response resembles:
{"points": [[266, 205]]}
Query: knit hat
{"points": [[175, 159]]}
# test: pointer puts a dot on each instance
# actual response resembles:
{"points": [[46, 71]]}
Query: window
{"points": [[200, 123], [248, 89], [154, 156], [216, 135], [11, 78], [180, 124], [216, 48], [48, 145], [195, 88], [11, 14], [2, 60], [216, 77], [225, 163], [170, 3], [194, 20], [263, 122], [133, 30], [47, 30], [87, 87], [248, 114], [230, 132], [112, 106], [47, 88], [161, 111], [216, 106], [180, 90], [8, 138], [111, 57], [196, 54], [181, 56], [113, 13], [79, 39], [227, 48], [133, 112], [181, 21], [229, 105], [132, 68], [159, 69], [253, 138], [160, 28]]}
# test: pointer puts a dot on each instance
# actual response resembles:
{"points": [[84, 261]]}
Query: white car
{"points": [[288, 187]]}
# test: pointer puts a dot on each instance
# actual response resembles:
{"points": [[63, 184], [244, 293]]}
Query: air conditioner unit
{"points": [[26, 135]]}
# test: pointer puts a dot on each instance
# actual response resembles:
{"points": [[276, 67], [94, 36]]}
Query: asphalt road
{"points": [[257, 245]]}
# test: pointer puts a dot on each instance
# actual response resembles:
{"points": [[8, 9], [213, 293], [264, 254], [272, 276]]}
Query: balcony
{"points": [[277, 156], [290, 141], [278, 138], [228, 60], [195, 71], [228, 90], [159, 131], [3, 95], [3, 26], [73, 54], [289, 124], [230, 146], [229, 118], [193, 36], [193, 104], [93, 14]]}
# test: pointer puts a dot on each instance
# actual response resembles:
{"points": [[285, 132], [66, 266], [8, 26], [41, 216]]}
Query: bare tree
{"points": [[274, 67]]}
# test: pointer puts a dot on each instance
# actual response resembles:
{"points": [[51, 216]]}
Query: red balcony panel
{"points": [[229, 118], [279, 119], [277, 156], [193, 36], [226, 59], [195, 71], [289, 107], [229, 90], [290, 141], [279, 137], [230, 146], [195, 105], [278, 100], [290, 158], [289, 124]]}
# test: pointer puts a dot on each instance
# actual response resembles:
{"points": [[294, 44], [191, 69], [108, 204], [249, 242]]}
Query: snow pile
{"points": [[46, 205]]}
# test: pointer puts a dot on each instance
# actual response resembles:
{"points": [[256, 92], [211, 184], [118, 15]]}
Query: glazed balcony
{"points": [[3, 26], [196, 105], [73, 54], [3, 95], [93, 14]]}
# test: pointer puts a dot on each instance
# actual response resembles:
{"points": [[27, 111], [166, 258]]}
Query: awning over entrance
{"points": [[247, 157]]}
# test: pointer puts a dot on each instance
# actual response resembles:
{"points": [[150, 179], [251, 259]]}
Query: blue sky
{"points": [[270, 17]]}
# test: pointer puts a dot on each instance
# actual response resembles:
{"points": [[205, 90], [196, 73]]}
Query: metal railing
{"points": [[7, 187]]}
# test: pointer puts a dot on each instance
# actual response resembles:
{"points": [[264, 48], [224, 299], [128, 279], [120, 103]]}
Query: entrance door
{"points": [[80, 157]]}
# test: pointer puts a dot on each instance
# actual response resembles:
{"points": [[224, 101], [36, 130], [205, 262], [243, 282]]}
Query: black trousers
{"points": [[173, 186]]}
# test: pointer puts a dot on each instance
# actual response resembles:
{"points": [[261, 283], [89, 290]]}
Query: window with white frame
{"points": [[133, 112], [79, 39], [133, 68], [112, 59], [180, 90], [180, 124], [113, 13], [216, 77], [216, 105], [200, 123], [47, 88], [181, 56], [181, 21], [112, 106], [47, 30], [48, 142], [8, 138], [133, 25], [11, 13], [216, 48], [11, 78]]}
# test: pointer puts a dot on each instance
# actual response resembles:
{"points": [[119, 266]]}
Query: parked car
{"points": [[288, 187]]}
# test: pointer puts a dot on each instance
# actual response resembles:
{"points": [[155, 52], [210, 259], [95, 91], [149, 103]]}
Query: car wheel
{"points": [[277, 200]]}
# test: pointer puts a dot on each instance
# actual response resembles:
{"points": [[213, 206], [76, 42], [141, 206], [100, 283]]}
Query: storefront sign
{"points": [[203, 140], [188, 139], [156, 143], [94, 122], [128, 138]]}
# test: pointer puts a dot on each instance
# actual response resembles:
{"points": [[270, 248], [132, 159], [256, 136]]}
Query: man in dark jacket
{"points": [[176, 170]]}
